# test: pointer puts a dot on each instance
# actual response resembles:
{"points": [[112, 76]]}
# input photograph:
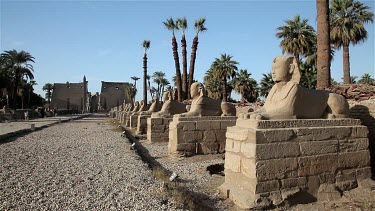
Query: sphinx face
{"points": [[194, 90], [280, 71]]}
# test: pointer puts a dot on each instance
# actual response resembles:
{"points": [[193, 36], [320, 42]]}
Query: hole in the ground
{"points": [[216, 169]]}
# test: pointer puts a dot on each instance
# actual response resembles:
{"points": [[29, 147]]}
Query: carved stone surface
{"points": [[274, 159], [158, 129], [142, 123], [170, 106], [198, 135], [288, 100]]}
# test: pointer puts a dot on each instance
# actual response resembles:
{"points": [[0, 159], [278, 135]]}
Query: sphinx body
{"points": [[155, 107], [170, 106], [289, 100]]}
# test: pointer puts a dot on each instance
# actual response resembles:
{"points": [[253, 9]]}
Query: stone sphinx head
{"points": [[197, 90], [285, 69], [167, 96]]}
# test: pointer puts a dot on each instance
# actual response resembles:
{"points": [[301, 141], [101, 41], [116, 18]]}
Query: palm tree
{"points": [[266, 83], [298, 36], [347, 27], [308, 74], [353, 79], [146, 46], [171, 25], [199, 27], [213, 84], [323, 47], [182, 24], [245, 85], [31, 89], [158, 77], [163, 83], [135, 78], [18, 64], [48, 89], [226, 69], [366, 79], [131, 91]]}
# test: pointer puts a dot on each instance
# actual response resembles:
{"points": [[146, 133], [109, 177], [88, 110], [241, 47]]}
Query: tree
{"points": [[213, 84], [298, 37], [30, 87], [17, 64], [266, 83], [131, 91], [171, 25], [347, 27], [245, 86], [182, 24], [226, 69], [48, 89], [135, 78], [159, 78], [353, 79], [199, 27], [366, 79], [324, 47], [308, 74], [146, 46]]}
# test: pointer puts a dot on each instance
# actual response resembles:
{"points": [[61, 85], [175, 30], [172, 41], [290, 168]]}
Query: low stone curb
{"points": [[6, 136]]}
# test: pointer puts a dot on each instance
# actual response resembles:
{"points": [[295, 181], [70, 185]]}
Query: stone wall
{"points": [[365, 111], [269, 161], [198, 135], [113, 94], [134, 120], [158, 129], [68, 96], [142, 123]]}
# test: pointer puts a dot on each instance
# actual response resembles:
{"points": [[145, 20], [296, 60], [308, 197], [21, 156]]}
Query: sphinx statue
{"points": [[135, 107], [289, 100], [170, 106], [155, 107], [202, 105], [142, 107]]}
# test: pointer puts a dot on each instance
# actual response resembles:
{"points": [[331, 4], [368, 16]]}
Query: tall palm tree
{"points": [[131, 91], [163, 83], [158, 77], [135, 78], [245, 86], [347, 27], [266, 84], [199, 27], [213, 84], [171, 25], [31, 89], [226, 69], [298, 36], [18, 63], [323, 44], [146, 46], [48, 87], [182, 24]]}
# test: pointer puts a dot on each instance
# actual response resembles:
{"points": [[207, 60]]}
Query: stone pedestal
{"points": [[127, 119], [134, 120], [270, 161], [142, 123], [198, 135], [158, 129]]}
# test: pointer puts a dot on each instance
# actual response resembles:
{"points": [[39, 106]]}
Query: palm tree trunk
{"points": [[15, 89], [225, 96], [185, 85], [144, 79], [324, 49], [178, 71], [194, 48], [346, 64]]}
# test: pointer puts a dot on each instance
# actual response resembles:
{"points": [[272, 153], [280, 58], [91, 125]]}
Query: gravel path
{"points": [[75, 166]]}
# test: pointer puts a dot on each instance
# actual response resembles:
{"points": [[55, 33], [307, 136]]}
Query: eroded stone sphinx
{"points": [[144, 115], [288, 158]]}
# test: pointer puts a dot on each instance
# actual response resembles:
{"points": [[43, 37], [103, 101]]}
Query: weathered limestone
{"points": [[270, 161], [134, 116], [198, 135], [170, 106], [288, 100], [158, 129], [142, 118]]}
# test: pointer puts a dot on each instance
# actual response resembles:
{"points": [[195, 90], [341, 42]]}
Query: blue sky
{"points": [[102, 39]]}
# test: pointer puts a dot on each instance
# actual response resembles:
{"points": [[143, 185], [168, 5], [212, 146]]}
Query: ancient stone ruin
{"points": [[298, 147]]}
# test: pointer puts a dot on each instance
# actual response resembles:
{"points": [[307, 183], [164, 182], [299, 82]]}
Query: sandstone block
{"points": [[354, 159], [294, 182], [322, 133], [353, 145], [267, 186], [237, 133], [225, 124], [359, 132], [208, 125], [328, 192], [233, 162], [363, 173], [319, 147], [276, 169], [191, 136], [274, 135], [248, 167], [189, 125], [209, 147], [277, 150], [209, 136], [232, 145], [313, 165], [248, 149]]}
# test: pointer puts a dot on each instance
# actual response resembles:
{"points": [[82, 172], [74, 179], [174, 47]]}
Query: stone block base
{"points": [[270, 161], [158, 129], [133, 120], [198, 135], [142, 124]]}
